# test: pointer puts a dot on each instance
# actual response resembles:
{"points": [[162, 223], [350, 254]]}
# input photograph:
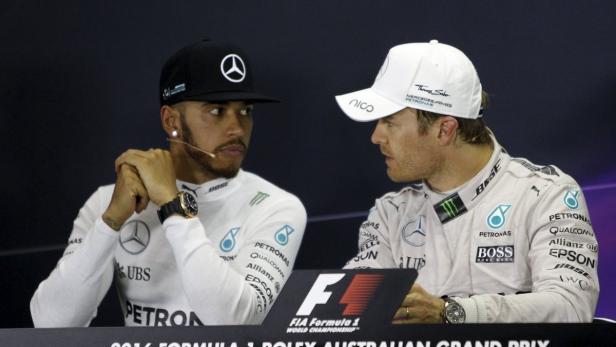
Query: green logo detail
{"points": [[450, 208], [258, 198]]}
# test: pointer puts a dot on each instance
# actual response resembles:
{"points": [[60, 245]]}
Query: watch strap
{"points": [[169, 209]]}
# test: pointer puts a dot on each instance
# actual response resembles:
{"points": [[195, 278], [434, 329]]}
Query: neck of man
{"points": [[461, 162]]}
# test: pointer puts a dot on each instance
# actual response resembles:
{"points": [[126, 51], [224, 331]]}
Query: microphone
{"points": [[212, 155]]}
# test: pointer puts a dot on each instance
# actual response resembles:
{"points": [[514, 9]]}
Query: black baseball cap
{"points": [[208, 71]]}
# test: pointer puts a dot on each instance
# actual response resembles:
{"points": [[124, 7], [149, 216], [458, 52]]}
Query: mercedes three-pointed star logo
{"points": [[233, 68], [413, 232], [134, 236]]}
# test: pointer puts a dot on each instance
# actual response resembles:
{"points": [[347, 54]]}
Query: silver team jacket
{"points": [[225, 267], [514, 244]]}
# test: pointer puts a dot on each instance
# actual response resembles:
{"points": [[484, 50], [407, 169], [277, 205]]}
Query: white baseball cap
{"points": [[432, 76]]}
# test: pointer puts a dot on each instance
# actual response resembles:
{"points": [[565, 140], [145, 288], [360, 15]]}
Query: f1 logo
{"points": [[357, 296], [317, 294]]}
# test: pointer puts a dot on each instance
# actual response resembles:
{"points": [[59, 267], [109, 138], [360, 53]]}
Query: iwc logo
{"points": [[134, 236], [413, 232], [233, 68]]}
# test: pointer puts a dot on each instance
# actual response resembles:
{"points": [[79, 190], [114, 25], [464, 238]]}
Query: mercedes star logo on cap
{"points": [[135, 236], [233, 68]]}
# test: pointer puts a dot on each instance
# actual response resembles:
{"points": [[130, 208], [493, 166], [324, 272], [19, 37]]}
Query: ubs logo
{"points": [[134, 236], [413, 232], [362, 105]]}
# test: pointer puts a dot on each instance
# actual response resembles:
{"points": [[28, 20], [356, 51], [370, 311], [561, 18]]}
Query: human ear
{"points": [[170, 121], [447, 129]]}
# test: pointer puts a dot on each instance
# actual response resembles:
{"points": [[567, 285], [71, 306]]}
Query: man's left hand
{"points": [[419, 306], [155, 168]]}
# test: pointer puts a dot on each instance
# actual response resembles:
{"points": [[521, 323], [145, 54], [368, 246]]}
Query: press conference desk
{"points": [[485, 335]]}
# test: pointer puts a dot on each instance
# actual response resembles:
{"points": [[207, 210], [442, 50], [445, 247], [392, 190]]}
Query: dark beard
{"points": [[203, 159]]}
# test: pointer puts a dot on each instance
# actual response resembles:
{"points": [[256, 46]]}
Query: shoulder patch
{"points": [[547, 170]]}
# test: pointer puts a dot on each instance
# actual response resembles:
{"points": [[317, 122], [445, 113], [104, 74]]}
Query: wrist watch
{"points": [[453, 312], [184, 204]]}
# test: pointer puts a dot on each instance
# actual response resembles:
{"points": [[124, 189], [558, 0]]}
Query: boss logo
{"points": [[495, 254], [361, 105]]}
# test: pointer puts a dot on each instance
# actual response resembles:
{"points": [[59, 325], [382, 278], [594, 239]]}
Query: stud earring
{"points": [[174, 133]]}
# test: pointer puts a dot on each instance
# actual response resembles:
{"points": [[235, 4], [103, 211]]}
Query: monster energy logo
{"points": [[258, 198], [449, 208]]}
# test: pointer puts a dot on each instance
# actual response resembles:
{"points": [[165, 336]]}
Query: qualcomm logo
{"points": [[233, 68], [496, 219], [571, 199], [413, 232], [134, 237], [282, 235], [228, 242]]}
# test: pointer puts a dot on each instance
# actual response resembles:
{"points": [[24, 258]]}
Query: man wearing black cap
{"points": [[192, 239]]}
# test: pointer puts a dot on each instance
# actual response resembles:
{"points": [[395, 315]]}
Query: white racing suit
{"points": [[225, 267], [514, 244]]}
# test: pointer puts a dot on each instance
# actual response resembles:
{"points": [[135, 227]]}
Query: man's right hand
{"points": [[129, 196]]}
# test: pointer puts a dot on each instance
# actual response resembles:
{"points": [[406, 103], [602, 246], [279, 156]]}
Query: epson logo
{"points": [[572, 256], [495, 254], [357, 296], [265, 288], [366, 256], [362, 105]]}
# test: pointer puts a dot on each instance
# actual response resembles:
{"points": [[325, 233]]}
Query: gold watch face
{"points": [[189, 204]]}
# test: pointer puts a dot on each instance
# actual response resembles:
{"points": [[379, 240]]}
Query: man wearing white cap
{"points": [[494, 238]]}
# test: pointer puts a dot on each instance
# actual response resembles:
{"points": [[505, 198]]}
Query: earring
{"points": [[174, 133]]}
